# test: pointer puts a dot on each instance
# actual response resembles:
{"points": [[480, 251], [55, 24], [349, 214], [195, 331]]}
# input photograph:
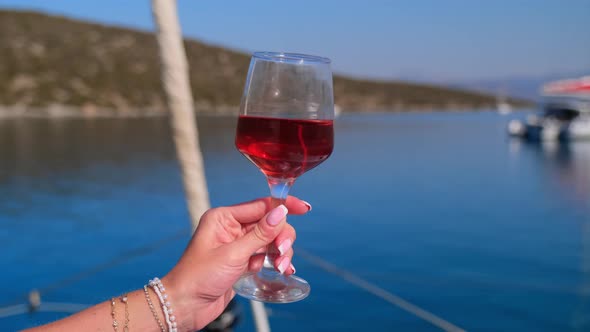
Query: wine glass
{"points": [[285, 128]]}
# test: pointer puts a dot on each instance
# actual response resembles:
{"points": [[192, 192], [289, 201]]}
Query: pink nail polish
{"points": [[285, 262], [292, 268], [308, 205], [276, 215], [285, 246]]}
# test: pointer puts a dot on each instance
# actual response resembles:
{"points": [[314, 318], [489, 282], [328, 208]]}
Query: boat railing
{"points": [[35, 304]]}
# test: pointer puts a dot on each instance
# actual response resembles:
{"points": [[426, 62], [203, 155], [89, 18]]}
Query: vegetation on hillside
{"points": [[48, 60]]}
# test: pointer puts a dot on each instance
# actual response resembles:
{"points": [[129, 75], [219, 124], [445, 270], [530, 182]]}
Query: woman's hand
{"points": [[228, 242]]}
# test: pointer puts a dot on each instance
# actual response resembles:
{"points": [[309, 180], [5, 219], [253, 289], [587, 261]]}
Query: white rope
{"points": [[20, 309], [260, 316], [13, 310], [62, 307], [379, 292], [180, 103]]}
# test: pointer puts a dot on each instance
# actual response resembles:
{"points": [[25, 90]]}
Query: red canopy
{"points": [[566, 87]]}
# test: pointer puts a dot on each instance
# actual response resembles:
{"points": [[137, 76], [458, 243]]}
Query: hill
{"points": [[47, 60]]}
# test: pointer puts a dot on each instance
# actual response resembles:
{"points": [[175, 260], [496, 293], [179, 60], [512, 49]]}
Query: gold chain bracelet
{"points": [[124, 300], [152, 309], [113, 314]]}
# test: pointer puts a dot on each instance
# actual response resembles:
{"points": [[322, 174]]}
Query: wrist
{"points": [[186, 305]]}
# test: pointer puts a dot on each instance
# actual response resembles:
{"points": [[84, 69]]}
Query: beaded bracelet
{"points": [[159, 289]]}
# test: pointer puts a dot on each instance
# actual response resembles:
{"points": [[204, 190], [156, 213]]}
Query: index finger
{"points": [[253, 211]]}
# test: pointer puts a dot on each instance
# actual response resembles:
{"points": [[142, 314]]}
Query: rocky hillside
{"points": [[48, 60]]}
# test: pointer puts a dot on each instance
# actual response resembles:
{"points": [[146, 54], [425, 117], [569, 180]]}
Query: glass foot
{"points": [[272, 287]]}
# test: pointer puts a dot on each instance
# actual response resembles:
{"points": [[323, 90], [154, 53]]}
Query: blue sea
{"points": [[440, 209]]}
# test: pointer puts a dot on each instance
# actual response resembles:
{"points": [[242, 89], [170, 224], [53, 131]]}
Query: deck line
{"points": [[379, 292]]}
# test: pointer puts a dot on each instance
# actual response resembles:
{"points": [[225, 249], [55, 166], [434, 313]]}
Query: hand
{"points": [[228, 242]]}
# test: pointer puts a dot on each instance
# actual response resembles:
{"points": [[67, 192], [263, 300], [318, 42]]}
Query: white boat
{"points": [[566, 116], [337, 110], [502, 105], [504, 108]]}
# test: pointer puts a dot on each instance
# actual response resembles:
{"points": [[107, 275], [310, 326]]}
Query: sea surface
{"points": [[440, 209]]}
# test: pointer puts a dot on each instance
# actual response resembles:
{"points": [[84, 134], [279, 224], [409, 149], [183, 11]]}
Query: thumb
{"points": [[263, 233]]}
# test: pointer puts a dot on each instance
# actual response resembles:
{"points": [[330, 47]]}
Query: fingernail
{"points": [[276, 215], [308, 206], [292, 268], [285, 262], [285, 246]]}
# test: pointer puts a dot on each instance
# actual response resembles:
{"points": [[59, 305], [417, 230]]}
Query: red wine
{"points": [[284, 148]]}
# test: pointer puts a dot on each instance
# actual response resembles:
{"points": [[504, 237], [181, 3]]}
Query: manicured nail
{"points": [[285, 246], [276, 215], [308, 205], [285, 262], [292, 268]]}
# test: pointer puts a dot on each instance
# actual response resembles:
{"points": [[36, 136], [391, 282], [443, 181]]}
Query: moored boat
{"points": [[566, 115]]}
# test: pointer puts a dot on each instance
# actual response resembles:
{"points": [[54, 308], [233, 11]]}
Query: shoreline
{"points": [[90, 112]]}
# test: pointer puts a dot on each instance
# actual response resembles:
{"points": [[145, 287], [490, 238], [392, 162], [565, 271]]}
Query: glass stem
{"points": [[279, 190]]}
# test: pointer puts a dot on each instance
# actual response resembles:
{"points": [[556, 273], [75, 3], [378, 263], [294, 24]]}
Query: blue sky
{"points": [[421, 40]]}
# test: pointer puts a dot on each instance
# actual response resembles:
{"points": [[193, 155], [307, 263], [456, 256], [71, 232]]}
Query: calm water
{"points": [[440, 209]]}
